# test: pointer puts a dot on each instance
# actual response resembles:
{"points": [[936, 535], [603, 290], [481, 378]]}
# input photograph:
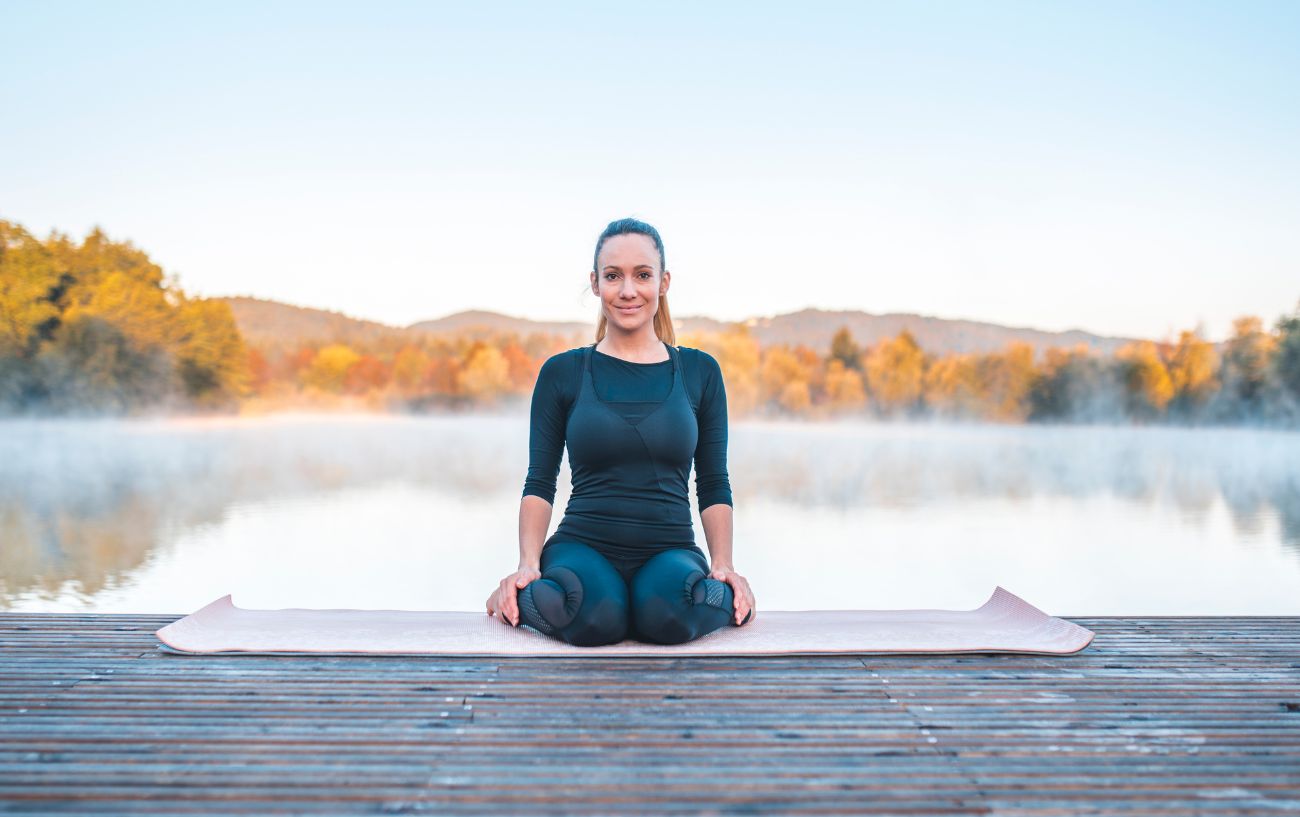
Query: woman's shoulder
{"points": [[564, 360], [558, 370]]}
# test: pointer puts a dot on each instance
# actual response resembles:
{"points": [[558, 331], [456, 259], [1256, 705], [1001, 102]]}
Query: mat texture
{"points": [[1004, 623]]}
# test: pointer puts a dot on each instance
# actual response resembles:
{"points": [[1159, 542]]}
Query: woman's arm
{"points": [[713, 486], [547, 419], [534, 520], [717, 532]]}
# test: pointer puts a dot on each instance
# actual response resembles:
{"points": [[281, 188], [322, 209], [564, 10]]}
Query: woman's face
{"points": [[629, 281]]}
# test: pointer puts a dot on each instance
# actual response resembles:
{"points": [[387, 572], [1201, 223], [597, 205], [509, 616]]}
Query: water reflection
{"points": [[388, 511]]}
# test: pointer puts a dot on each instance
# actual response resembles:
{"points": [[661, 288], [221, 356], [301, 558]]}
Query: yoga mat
{"points": [[1004, 623]]}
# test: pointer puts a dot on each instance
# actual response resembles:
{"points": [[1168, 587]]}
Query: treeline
{"points": [[1252, 377], [429, 372], [95, 326]]}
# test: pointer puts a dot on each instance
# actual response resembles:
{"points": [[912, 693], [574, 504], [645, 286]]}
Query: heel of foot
{"points": [[717, 594]]}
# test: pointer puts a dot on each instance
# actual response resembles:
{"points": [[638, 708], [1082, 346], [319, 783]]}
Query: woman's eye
{"points": [[646, 275]]}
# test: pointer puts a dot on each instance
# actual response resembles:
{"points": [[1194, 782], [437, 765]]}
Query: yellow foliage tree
{"points": [[845, 390], [409, 366], [29, 273], [1005, 381], [328, 370], [795, 397], [895, 371], [780, 368], [211, 359], [738, 356], [1192, 367], [486, 374], [1148, 388], [952, 387]]}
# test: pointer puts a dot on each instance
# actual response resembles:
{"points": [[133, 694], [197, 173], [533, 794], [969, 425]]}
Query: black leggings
{"points": [[583, 599]]}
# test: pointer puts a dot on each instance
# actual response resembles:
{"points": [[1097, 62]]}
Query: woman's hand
{"points": [[504, 601], [744, 597]]}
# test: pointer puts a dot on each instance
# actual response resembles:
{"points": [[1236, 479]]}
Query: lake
{"points": [[165, 515]]}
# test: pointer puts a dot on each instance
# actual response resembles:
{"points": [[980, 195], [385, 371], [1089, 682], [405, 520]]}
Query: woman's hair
{"points": [[663, 321]]}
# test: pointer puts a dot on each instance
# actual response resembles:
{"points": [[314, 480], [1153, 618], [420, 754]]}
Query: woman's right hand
{"points": [[504, 601]]}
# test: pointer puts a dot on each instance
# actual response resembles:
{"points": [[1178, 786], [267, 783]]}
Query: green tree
{"points": [[1287, 361], [29, 276], [845, 350], [1247, 367], [211, 359]]}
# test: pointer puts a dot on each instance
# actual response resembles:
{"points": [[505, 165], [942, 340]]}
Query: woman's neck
{"points": [[640, 347]]}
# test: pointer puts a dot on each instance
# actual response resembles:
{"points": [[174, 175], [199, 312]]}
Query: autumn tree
{"points": [[845, 389], [1005, 380], [845, 350], [895, 373], [1075, 384], [1192, 367], [408, 369], [951, 387], [210, 355], [367, 376], [1247, 368], [486, 375], [328, 370], [521, 367], [781, 368], [738, 355], [1147, 386], [29, 279]]}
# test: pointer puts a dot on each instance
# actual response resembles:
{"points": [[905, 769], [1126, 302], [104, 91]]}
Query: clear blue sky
{"points": [[1129, 168]]}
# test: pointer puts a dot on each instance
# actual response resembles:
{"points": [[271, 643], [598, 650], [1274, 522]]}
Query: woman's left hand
{"points": [[744, 597]]}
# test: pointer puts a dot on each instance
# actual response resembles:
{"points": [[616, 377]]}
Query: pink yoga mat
{"points": [[1004, 623]]}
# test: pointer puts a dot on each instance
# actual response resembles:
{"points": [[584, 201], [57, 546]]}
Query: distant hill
{"points": [[271, 323], [267, 323], [476, 321], [815, 327]]}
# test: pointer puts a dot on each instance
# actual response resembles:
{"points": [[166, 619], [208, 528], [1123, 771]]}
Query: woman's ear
{"points": [[595, 290], [663, 285]]}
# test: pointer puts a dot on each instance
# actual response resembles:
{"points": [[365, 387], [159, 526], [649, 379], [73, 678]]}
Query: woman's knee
{"points": [[580, 598], [674, 601]]}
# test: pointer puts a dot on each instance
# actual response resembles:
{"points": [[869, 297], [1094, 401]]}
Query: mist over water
{"points": [[421, 513]]}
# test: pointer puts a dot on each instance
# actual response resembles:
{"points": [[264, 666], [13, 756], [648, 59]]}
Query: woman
{"points": [[634, 410]]}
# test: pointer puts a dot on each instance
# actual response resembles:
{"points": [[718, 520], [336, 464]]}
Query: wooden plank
{"points": [[1162, 715]]}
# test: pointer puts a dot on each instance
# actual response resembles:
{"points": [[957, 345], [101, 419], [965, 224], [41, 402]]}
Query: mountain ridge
{"points": [[267, 322]]}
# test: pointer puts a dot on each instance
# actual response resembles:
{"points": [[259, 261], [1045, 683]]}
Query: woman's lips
{"points": [[629, 308]]}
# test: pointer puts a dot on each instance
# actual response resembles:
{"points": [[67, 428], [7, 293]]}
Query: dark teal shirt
{"points": [[632, 389]]}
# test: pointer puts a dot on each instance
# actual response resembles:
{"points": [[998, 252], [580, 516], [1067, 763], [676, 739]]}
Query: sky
{"points": [[1129, 168]]}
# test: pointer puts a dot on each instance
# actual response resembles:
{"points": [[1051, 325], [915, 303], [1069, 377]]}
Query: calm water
{"points": [[421, 513]]}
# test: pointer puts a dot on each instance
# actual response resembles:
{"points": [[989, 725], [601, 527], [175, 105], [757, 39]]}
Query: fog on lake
{"points": [[421, 513]]}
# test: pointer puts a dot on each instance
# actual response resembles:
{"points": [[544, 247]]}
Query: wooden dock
{"points": [[1159, 716]]}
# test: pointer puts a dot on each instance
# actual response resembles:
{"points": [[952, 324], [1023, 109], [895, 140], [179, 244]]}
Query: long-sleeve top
{"points": [[602, 508]]}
